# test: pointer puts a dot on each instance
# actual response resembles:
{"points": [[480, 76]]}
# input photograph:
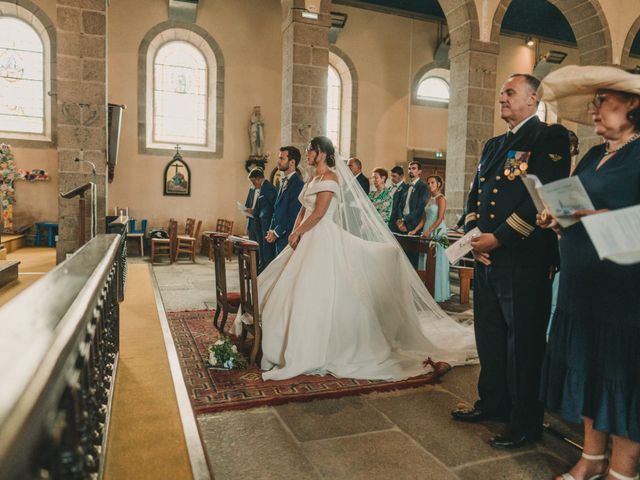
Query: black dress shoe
{"points": [[474, 415], [506, 441]]}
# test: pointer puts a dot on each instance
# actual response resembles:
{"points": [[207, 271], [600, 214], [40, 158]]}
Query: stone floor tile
{"points": [[252, 445], [331, 418], [380, 455], [462, 382], [526, 466], [425, 415]]}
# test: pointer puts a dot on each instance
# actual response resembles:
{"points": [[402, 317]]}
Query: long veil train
{"points": [[450, 341]]}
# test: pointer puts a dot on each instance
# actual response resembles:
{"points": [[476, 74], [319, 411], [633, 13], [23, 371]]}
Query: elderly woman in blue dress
{"points": [[592, 365], [432, 226]]}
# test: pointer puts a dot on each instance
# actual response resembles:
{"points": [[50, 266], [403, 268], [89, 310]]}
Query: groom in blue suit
{"points": [[287, 204]]}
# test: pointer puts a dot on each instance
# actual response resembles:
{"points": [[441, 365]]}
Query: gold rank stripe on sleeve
{"points": [[470, 217], [519, 225]]}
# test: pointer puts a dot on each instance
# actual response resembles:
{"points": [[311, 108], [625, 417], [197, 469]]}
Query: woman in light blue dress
{"points": [[433, 226]]}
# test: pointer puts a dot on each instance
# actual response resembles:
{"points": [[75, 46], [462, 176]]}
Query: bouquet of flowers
{"points": [[224, 354], [439, 237]]}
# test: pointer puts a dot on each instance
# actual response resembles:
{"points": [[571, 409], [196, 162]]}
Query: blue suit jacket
{"points": [[263, 212], [286, 210]]}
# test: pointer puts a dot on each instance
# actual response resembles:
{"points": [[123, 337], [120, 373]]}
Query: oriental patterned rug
{"points": [[213, 390]]}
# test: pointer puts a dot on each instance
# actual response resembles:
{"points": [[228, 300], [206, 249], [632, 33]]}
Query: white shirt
{"points": [[515, 129], [406, 209], [395, 187]]}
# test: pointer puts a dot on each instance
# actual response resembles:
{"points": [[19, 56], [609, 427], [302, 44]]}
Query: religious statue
{"points": [[256, 133]]}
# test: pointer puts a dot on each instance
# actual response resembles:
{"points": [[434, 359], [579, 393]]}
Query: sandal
{"points": [[619, 476], [597, 476]]}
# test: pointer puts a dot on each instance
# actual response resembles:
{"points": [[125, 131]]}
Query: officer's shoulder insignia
{"points": [[554, 157]]}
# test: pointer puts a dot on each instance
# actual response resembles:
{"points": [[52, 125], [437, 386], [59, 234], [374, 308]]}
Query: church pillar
{"points": [[305, 60], [471, 108], [81, 112]]}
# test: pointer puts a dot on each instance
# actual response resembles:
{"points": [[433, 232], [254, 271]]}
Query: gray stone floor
{"points": [[406, 434]]}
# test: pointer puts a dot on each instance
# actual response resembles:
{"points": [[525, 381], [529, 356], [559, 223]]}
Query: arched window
{"points": [[180, 95], [341, 102], [25, 78], [334, 100], [182, 77], [432, 87]]}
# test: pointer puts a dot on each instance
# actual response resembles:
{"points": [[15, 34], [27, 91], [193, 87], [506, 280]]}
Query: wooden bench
{"points": [[415, 243], [464, 267]]}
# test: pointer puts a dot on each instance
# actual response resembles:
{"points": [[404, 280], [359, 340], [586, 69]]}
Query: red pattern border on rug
{"points": [[213, 390]]}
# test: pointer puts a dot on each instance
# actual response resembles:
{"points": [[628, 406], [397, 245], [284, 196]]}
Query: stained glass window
{"points": [[433, 89], [334, 104], [22, 82], [180, 95]]}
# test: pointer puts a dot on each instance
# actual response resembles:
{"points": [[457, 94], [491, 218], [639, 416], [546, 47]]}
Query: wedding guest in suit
{"points": [[432, 225], [397, 180], [355, 165], [410, 206], [250, 203], [398, 188], [591, 371], [514, 261], [262, 215], [287, 204], [381, 196]]}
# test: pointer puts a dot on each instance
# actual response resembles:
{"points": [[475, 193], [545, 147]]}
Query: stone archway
{"points": [[625, 60], [587, 21], [473, 79]]}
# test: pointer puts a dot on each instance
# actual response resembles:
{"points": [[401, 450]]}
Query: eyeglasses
{"points": [[597, 102]]}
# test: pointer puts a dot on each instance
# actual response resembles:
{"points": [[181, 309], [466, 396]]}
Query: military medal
{"points": [[517, 164]]}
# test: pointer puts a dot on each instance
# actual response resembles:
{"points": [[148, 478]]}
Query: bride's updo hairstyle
{"points": [[325, 145]]}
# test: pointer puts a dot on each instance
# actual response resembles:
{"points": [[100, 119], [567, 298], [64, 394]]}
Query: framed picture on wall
{"points": [[177, 177]]}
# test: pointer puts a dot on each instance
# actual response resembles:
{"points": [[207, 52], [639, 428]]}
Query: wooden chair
{"points": [[187, 243], [223, 226], [188, 226], [421, 245], [226, 302], [248, 272], [165, 247]]}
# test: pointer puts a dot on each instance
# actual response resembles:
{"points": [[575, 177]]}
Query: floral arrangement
{"points": [[439, 237], [224, 354]]}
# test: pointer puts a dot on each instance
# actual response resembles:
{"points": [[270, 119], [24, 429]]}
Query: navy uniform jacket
{"points": [[503, 207], [263, 211], [286, 209]]}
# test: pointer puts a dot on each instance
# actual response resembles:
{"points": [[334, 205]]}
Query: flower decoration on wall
{"points": [[8, 175]]}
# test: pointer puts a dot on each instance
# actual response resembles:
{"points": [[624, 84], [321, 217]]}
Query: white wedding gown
{"points": [[342, 305]]}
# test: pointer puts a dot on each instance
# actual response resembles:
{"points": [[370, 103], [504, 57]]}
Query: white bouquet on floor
{"points": [[224, 354]]}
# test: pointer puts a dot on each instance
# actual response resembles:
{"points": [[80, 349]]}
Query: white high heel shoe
{"points": [[619, 476], [597, 476]]}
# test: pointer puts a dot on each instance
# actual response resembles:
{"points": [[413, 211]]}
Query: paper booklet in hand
{"points": [[463, 246], [243, 209], [616, 234], [561, 198]]}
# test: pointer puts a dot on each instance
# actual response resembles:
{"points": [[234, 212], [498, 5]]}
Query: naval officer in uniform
{"points": [[514, 266]]}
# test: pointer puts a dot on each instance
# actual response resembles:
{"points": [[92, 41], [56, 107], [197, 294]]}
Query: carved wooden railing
{"points": [[58, 359]]}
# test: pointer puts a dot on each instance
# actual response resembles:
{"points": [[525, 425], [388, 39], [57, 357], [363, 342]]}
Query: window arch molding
{"points": [[348, 102], [30, 13], [199, 38], [439, 76]]}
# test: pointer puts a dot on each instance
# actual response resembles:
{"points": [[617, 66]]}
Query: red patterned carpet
{"points": [[214, 390]]}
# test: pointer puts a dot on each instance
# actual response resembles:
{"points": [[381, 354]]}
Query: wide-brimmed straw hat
{"points": [[568, 90]]}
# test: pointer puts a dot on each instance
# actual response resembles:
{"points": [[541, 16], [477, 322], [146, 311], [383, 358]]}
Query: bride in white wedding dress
{"points": [[342, 298]]}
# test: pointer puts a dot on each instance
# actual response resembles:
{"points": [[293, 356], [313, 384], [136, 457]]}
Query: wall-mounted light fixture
{"points": [[530, 42], [338, 21], [547, 61]]}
